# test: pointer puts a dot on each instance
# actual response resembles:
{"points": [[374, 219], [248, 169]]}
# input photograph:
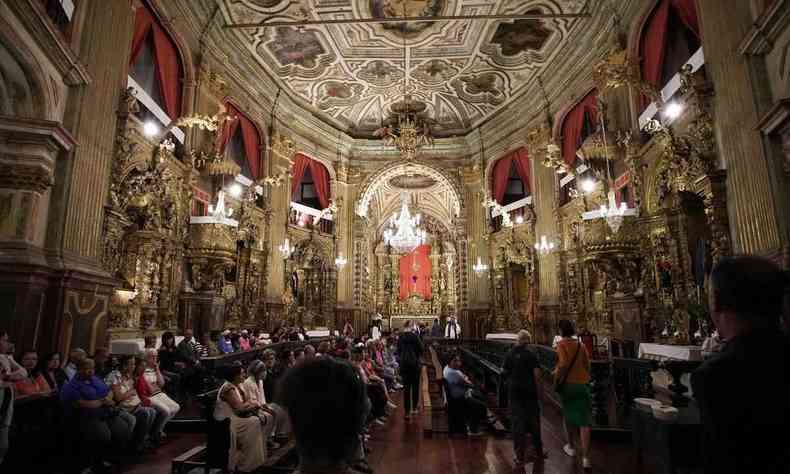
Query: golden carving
{"points": [[616, 70]]}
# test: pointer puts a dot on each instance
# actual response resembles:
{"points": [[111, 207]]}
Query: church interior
{"points": [[269, 180]]}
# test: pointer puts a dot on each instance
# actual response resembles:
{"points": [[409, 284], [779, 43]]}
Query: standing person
{"points": [[522, 371], [410, 353], [572, 375], [743, 391], [436, 329], [348, 329], [10, 372], [453, 329]]}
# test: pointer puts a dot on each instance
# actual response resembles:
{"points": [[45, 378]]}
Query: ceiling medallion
{"points": [[407, 129]]}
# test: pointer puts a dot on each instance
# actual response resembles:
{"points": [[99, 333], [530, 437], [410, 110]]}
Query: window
{"points": [[237, 153], [515, 189], [155, 71], [61, 12], [306, 193], [579, 123]]}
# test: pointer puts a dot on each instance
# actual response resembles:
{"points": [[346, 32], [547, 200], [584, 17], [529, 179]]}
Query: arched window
{"points": [[510, 177], [669, 38], [241, 141], [155, 69], [310, 183], [579, 122]]}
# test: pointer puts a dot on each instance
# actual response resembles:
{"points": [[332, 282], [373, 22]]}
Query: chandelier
{"points": [[544, 247], [403, 232], [286, 249], [480, 267]]}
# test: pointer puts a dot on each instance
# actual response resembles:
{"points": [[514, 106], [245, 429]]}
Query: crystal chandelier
{"points": [[544, 247], [286, 249], [479, 267], [403, 232]]}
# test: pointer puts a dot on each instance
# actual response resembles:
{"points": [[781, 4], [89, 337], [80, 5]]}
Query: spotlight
{"points": [[150, 129], [235, 190], [588, 185], [519, 220], [673, 110]]}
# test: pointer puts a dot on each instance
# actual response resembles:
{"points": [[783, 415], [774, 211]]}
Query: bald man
{"points": [[522, 371]]}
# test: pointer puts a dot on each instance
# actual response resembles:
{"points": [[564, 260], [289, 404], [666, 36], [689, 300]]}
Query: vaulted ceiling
{"points": [[351, 74]]}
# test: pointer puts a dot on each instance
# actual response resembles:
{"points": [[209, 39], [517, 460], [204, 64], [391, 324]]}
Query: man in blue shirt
{"points": [[101, 428], [461, 388], [224, 345]]}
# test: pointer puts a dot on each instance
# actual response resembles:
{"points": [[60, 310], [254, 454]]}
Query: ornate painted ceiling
{"points": [[352, 73]]}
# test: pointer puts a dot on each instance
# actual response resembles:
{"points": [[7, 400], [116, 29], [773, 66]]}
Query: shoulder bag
{"points": [[563, 374]]}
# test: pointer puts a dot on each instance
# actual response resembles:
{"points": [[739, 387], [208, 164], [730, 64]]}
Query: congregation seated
{"points": [[150, 385], [375, 390], [208, 348], [122, 384], [71, 366], [98, 428], [461, 388], [247, 435], [224, 344], [49, 368], [34, 382], [272, 415], [244, 341], [104, 364]]}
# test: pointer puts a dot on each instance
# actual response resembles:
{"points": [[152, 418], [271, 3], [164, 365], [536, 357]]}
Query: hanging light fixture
{"points": [[544, 246], [403, 232], [610, 211], [286, 249], [480, 267]]}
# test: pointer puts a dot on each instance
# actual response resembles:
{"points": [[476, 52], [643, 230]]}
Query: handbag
{"points": [[563, 376]]}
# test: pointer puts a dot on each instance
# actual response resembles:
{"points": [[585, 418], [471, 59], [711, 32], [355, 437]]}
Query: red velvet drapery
{"points": [[300, 165], [416, 281], [249, 134], [654, 38], [168, 62], [501, 172], [320, 177], [687, 12], [521, 160], [573, 125]]}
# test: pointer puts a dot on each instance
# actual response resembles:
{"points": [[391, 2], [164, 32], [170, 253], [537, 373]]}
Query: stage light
{"points": [[588, 185], [150, 129], [673, 110]]}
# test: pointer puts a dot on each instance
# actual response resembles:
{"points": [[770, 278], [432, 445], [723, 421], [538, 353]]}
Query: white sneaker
{"points": [[392, 405], [569, 450], [586, 463], [379, 422]]}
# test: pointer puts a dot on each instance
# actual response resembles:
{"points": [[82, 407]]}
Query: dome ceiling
{"points": [[351, 74]]}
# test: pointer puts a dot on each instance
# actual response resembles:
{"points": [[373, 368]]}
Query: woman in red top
{"points": [[34, 383]]}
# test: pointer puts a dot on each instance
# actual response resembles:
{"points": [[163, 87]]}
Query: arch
{"points": [[491, 164], [298, 169], [154, 7], [231, 106], [559, 117], [39, 97], [415, 167]]}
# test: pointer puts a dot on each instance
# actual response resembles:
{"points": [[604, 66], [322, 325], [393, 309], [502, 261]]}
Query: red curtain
{"points": [[416, 281], [521, 158], [228, 129], [249, 134], [686, 10], [321, 182], [168, 64], [301, 163], [573, 125], [653, 47], [500, 174]]}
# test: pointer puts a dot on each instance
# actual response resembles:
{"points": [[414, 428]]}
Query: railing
{"points": [[517, 211], [304, 216], [615, 382]]}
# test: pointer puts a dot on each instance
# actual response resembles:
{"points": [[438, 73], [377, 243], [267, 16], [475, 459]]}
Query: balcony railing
{"points": [[304, 216], [516, 210]]}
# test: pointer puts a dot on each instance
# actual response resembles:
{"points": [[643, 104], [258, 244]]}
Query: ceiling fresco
{"points": [[463, 71]]}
